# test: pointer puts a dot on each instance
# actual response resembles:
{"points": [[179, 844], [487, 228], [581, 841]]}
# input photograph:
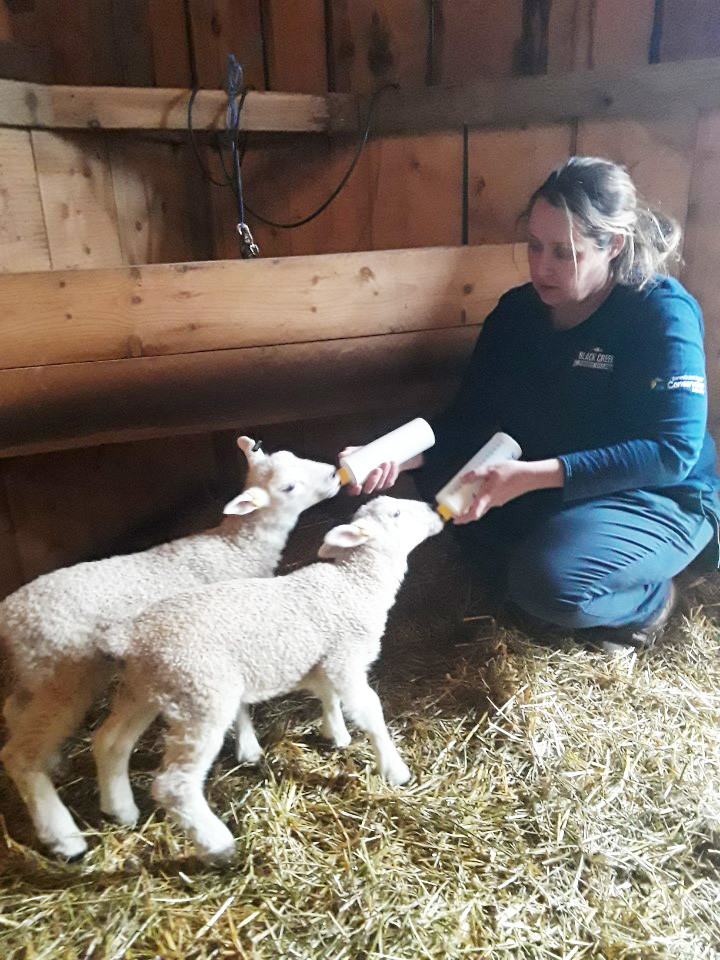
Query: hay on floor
{"points": [[564, 805]]}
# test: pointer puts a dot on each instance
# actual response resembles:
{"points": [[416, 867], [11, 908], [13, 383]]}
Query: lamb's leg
{"points": [[112, 745], [192, 745], [332, 726], [247, 748], [36, 731], [362, 706], [14, 705]]}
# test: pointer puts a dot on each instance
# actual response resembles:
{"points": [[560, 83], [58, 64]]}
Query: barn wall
{"points": [[101, 199]]}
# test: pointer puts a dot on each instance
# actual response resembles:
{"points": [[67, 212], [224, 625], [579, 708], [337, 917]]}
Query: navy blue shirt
{"points": [[621, 398]]}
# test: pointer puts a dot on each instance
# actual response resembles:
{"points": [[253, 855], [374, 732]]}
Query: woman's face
{"points": [[558, 277]]}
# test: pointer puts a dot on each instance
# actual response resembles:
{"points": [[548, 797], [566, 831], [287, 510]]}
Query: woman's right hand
{"points": [[380, 478]]}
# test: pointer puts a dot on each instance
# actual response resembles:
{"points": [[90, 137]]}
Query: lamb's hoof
{"points": [[125, 814], [218, 846], [396, 772], [70, 848], [250, 758], [337, 739]]}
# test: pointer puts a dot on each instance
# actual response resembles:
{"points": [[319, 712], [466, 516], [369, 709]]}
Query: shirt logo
{"points": [[595, 359], [686, 381]]}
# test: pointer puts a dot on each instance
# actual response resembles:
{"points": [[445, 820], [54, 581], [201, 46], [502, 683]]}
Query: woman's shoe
{"points": [[619, 639]]}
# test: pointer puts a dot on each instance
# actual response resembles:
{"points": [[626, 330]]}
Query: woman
{"points": [[596, 368]]}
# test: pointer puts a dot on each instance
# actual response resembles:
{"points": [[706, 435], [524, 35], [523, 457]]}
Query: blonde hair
{"points": [[600, 198]]}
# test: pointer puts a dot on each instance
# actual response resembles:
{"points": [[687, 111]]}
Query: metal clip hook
{"points": [[248, 248]]}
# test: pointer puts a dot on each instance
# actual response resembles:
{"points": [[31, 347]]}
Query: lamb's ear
{"points": [[251, 449], [344, 537], [254, 498]]}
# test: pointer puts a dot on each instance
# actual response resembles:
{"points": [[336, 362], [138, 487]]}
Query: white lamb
{"points": [[50, 626], [200, 658]]}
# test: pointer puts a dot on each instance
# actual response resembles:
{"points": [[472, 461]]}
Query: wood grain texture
{"points": [[701, 272], [72, 316], [220, 27], [23, 238], [295, 46], [504, 167], [78, 200], [84, 404]]}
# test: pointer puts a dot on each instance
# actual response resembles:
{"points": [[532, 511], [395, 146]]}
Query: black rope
{"points": [[233, 178]]}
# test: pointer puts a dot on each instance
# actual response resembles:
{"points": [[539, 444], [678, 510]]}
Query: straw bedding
{"points": [[565, 805]]}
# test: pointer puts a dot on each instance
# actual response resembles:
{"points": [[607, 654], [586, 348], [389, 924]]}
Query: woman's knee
{"points": [[547, 591]]}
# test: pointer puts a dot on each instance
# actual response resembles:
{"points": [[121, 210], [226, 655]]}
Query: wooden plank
{"points": [[690, 29], [159, 191], [286, 182], [622, 32], [23, 240], [132, 108], [379, 41], [220, 27], [83, 404], [78, 202], [73, 506], [585, 34], [131, 32], [296, 59], [656, 91], [701, 272], [11, 573], [658, 154], [473, 40], [169, 37], [71, 316], [418, 191], [504, 167], [83, 46]]}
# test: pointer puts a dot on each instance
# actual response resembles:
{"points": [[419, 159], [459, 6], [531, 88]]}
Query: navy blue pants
{"points": [[601, 562]]}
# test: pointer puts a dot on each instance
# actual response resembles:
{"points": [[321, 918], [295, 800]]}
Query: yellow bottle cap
{"points": [[344, 476], [445, 512]]}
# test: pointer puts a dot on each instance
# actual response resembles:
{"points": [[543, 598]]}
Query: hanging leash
{"points": [[235, 87], [230, 138]]}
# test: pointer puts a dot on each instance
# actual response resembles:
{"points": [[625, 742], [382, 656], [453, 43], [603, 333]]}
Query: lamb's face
{"points": [[387, 524], [404, 522], [291, 481]]}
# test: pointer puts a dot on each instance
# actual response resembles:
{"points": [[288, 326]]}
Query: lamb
{"points": [[50, 626], [202, 657]]}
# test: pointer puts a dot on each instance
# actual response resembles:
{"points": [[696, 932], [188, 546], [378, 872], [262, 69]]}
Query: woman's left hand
{"points": [[503, 482]]}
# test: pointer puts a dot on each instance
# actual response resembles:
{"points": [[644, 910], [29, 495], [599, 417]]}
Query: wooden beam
{"points": [[85, 404], [658, 90], [43, 106], [56, 317]]}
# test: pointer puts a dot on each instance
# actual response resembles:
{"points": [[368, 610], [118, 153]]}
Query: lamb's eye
{"points": [[397, 513], [289, 488]]}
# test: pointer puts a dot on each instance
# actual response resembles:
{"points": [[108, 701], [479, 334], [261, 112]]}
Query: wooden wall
{"points": [[99, 199]]}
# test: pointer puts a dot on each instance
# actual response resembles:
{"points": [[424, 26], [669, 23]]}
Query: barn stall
{"points": [[137, 343]]}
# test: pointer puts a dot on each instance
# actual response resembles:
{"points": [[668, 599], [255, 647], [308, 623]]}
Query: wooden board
{"points": [[169, 37], [161, 202], [473, 40], [658, 154], [690, 29], [83, 404], [220, 27], [701, 273], [11, 572], [132, 108], [379, 41], [132, 40], [504, 167], [23, 240], [72, 506], [658, 91], [417, 191], [585, 34], [67, 317], [295, 48], [78, 201]]}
